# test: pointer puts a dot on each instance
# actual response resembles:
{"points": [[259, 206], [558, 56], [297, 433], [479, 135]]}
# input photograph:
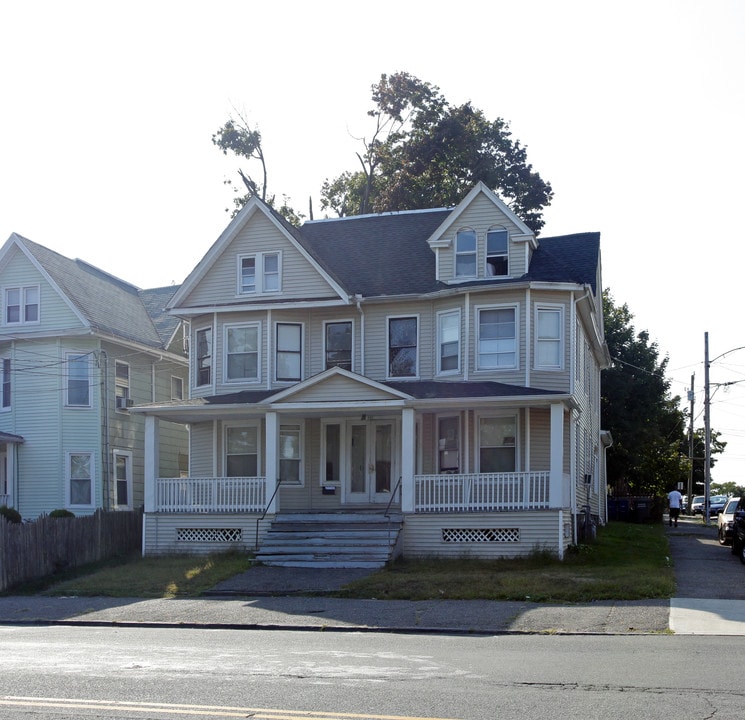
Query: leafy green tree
{"points": [[646, 422], [424, 152], [727, 488]]}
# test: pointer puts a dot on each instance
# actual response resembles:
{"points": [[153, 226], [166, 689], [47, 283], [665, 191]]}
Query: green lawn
{"points": [[626, 562]]}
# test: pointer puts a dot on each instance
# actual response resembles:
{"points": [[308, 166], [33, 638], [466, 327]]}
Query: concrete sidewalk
{"points": [[270, 597]]}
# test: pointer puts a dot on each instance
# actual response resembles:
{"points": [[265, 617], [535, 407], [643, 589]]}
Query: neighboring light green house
{"points": [[79, 347], [426, 380]]}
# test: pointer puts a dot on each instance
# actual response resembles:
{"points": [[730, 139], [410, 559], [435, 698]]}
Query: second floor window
{"points": [[177, 388], [497, 339], [121, 388], [402, 347], [339, 345], [204, 356], [258, 273], [465, 253], [449, 341], [242, 352], [289, 352], [78, 381], [22, 305], [5, 380], [548, 350]]}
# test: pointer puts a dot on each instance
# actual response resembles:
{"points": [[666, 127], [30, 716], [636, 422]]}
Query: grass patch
{"points": [[153, 577], [626, 562]]}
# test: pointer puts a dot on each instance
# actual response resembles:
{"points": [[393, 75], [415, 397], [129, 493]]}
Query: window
{"points": [[289, 351], [204, 356], [5, 383], [22, 305], [548, 334], [121, 386], [242, 352], [496, 252], [331, 469], [448, 444], [177, 388], [402, 345], [289, 454], [241, 452], [339, 345], [259, 273], [448, 328], [497, 444], [465, 253], [80, 478], [497, 338], [78, 381], [123, 479]]}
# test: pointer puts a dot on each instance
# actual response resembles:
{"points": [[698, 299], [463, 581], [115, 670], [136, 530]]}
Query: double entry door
{"points": [[372, 461]]}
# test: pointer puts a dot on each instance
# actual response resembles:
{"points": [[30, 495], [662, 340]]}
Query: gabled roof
{"points": [[104, 303]]}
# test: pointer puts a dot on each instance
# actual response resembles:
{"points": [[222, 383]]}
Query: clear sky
{"points": [[632, 110]]}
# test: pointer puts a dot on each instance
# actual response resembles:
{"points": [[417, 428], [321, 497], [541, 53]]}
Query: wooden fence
{"points": [[47, 545]]}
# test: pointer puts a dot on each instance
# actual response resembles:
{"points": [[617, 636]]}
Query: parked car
{"points": [[717, 503], [725, 521], [738, 530], [697, 505]]}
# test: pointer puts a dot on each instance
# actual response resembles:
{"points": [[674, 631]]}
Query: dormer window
{"points": [[465, 253], [496, 252], [259, 273]]}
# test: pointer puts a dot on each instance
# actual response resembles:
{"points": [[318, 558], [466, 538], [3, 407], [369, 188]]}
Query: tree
{"points": [[650, 446], [424, 153]]}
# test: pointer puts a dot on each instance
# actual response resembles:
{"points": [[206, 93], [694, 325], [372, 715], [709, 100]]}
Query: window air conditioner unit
{"points": [[123, 403]]}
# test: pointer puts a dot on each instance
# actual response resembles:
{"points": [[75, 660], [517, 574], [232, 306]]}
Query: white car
{"points": [[725, 520]]}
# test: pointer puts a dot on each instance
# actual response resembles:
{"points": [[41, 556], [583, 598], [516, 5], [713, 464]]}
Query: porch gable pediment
{"points": [[337, 385]]}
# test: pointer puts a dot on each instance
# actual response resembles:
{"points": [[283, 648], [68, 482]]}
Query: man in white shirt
{"points": [[675, 500]]}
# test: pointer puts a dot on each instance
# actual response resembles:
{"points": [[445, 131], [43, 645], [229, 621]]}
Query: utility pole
{"points": [[691, 398], [707, 430]]}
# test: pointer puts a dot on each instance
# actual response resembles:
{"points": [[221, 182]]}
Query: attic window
{"points": [[496, 252], [259, 273], [22, 305], [465, 253]]}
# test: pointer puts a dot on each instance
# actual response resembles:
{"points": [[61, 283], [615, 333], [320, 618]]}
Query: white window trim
{"points": [[68, 479], [475, 254], [22, 300], [446, 416], [174, 379], [338, 322], [68, 359], [206, 328], [549, 307], [233, 326], [502, 306], [300, 424], [130, 485], [259, 445], [440, 315], [342, 424], [302, 351], [515, 416], [3, 406], [258, 273], [403, 316], [496, 228]]}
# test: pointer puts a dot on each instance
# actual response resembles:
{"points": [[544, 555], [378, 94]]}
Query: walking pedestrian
{"points": [[675, 501]]}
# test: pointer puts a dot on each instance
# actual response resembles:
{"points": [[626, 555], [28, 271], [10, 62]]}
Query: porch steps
{"points": [[330, 540]]}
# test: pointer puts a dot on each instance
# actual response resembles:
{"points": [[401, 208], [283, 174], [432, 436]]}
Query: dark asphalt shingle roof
{"points": [[426, 389]]}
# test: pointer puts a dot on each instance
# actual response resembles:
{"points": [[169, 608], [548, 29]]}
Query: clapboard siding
{"points": [[538, 531]]}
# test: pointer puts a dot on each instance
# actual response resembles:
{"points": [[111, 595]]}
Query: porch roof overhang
{"points": [[395, 396], [11, 438]]}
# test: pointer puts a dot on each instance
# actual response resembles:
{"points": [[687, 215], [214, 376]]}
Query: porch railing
{"points": [[482, 492], [212, 494]]}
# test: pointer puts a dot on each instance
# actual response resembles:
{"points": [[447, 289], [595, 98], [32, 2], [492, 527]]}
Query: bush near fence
{"points": [[37, 549]]}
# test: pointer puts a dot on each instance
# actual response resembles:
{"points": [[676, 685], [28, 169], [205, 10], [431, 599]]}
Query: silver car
{"points": [[724, 523]]}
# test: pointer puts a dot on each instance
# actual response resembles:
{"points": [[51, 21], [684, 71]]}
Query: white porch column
{"points": [[271, 459], [556, 469], [408, 464], [151, 459]]}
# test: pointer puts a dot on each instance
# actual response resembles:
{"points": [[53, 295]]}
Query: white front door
{"points": [[372, 461]]}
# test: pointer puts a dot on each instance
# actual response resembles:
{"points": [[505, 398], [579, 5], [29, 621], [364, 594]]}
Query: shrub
{"points": [[61, 513], [10, 514]]}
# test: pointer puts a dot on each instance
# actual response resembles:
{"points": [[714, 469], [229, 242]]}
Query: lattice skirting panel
{"points": [[481, 535], [209, 535]]}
